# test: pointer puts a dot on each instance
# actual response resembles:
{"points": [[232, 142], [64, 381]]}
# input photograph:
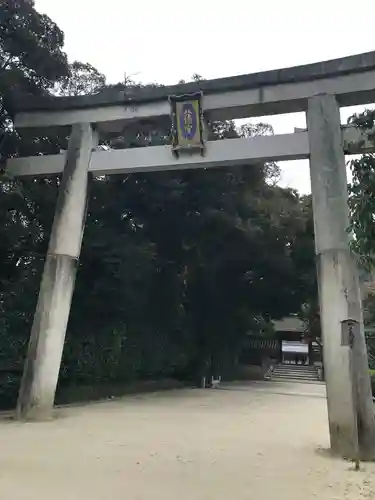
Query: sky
{"points": [[167, 41]]}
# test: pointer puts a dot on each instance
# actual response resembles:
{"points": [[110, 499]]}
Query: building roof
{"points": [[289, 324], [296, 347]]}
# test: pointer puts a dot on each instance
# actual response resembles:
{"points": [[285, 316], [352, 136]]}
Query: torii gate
{"points": [[317, 89]]}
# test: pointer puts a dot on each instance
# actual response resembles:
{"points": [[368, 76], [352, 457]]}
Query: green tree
{"points": [[361, 195], [31, 60], [222, 253], [83, 79]]}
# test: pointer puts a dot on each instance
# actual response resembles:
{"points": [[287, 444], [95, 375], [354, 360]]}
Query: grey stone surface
{"points": [[42, 365], [335, 67]]}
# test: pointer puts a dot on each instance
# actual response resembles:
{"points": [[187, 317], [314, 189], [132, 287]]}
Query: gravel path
{"points": [[263, 441]]}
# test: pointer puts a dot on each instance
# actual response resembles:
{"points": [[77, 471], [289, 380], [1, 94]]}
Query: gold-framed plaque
{"points": [[187, 123]]}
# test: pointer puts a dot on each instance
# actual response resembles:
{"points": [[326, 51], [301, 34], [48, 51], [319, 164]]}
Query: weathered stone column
{"points": [[339, 293], [41, 370]]}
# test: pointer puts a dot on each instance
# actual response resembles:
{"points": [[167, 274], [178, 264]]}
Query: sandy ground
{"points": [[263, 440]]}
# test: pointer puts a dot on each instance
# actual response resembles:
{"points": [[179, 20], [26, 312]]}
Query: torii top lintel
{"points": [[286, 90]]}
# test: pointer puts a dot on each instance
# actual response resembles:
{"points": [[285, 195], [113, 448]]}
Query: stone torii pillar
{"points": [[41, 370], [350, 409]]}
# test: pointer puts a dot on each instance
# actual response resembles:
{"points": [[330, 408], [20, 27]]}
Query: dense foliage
{"points": [[176, 267], [362, 194]]}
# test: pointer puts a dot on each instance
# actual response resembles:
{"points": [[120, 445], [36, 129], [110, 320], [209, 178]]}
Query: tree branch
{"points": [[4, 66]]}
